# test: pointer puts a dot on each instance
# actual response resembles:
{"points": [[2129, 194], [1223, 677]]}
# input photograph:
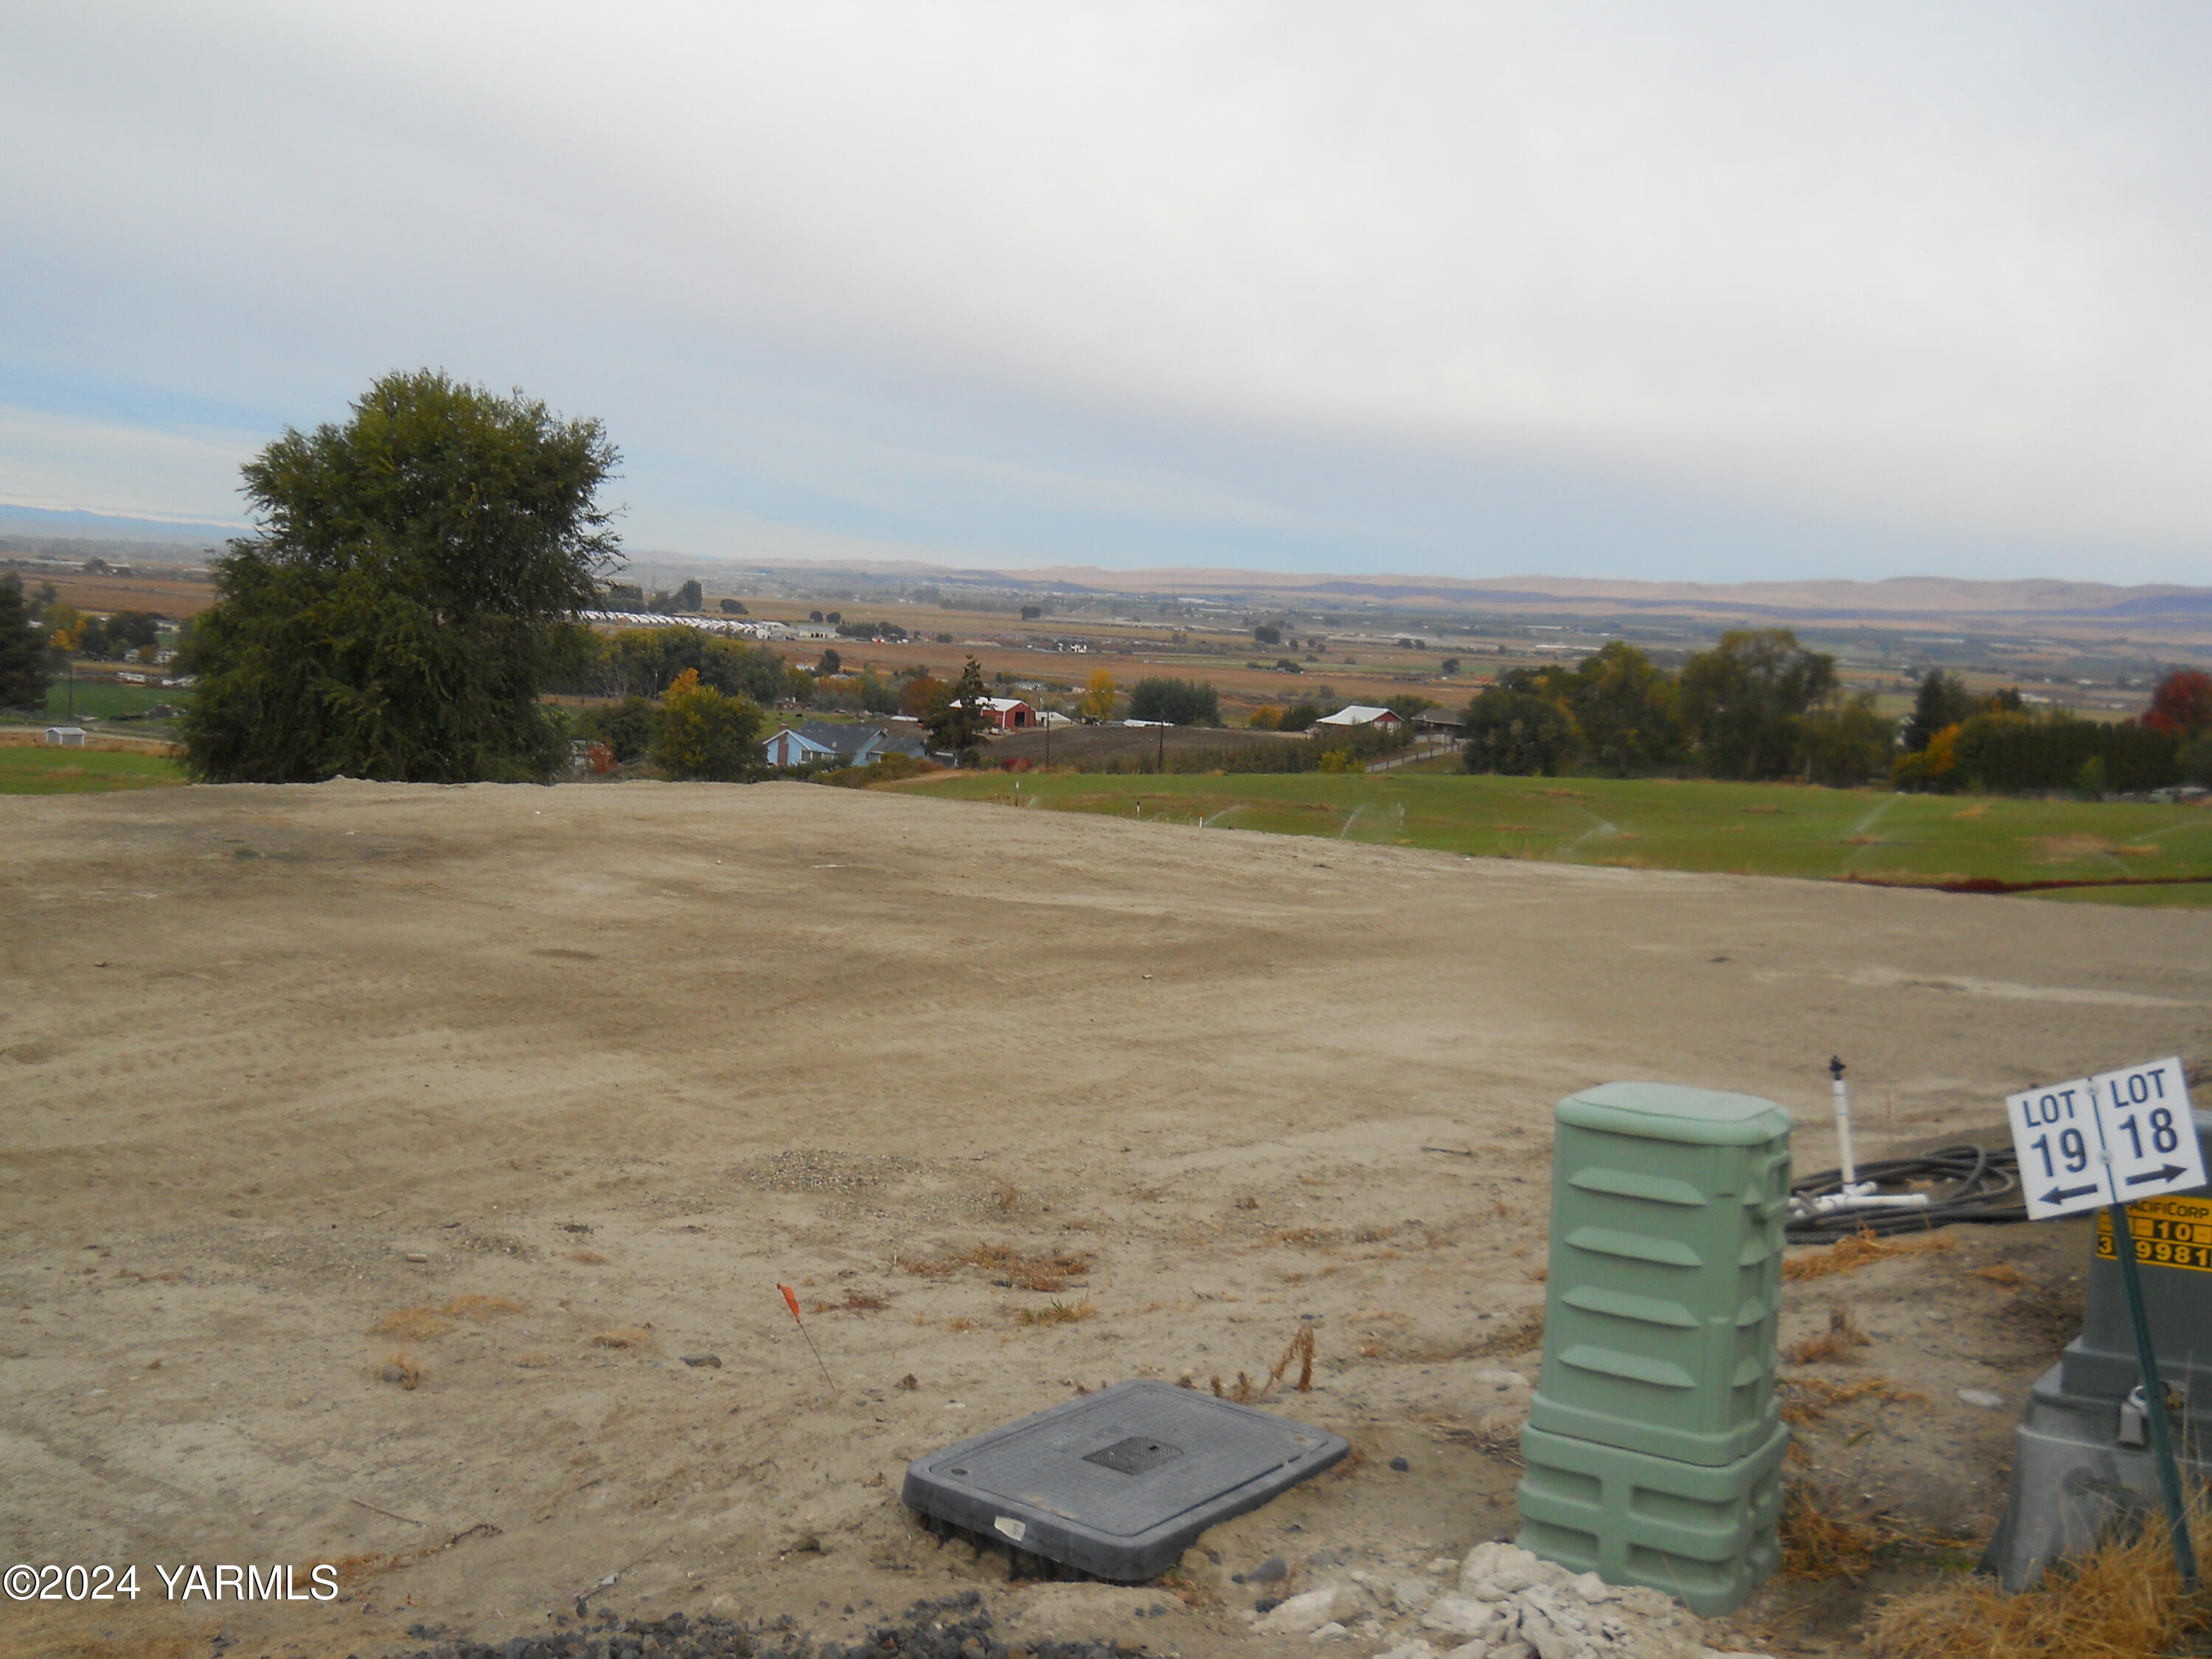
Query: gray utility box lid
{"points": [[1118, 1484]]}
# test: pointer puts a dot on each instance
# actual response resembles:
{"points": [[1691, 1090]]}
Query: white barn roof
{"points": [[1357, 713]]}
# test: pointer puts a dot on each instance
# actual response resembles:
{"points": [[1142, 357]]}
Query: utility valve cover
{"points": [[1118, 1484]]}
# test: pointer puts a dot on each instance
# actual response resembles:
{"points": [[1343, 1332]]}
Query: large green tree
{"points": [[956, 727], [22, 650], [407, 594], [1624, 706], [1517, 734], [1179, 703], [1744, 700]]}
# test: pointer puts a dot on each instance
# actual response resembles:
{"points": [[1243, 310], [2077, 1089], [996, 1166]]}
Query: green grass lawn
{"points": [[104, 700], [1767, 830], [35, 771]]}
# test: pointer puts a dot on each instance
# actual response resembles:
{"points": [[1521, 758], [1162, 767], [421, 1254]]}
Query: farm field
{"points": [[402, 1177], [1765, 829], [27, 770]]}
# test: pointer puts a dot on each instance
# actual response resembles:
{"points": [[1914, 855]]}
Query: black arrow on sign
{"points": [[2165, 1174], [2060, 1194]]}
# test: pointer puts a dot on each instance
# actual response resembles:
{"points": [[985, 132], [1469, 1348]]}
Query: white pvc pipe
{"points": [[1843, 1134]]}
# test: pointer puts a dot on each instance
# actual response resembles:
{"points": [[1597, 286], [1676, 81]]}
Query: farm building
{"points": [[828, 742], [1437, 723], [1008, 713], [65, 737], [1363, 714]]}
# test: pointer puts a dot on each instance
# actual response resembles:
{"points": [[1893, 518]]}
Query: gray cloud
{"points": [[1697, 289]]}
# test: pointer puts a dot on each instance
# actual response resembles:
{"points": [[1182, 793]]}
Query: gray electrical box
{"points": [[1118, 1483], [2080, 1461]]}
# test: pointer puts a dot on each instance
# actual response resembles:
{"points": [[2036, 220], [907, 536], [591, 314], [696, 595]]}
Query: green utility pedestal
{"points": [[1654, 1448]]}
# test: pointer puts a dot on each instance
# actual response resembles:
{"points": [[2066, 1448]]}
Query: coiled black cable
{"points": [[1982, 1184]]}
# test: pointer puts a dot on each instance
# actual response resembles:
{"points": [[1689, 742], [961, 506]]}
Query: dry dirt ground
{"points": [[524, 1095]]}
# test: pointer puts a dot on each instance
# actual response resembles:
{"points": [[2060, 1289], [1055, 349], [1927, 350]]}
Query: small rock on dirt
{"points": [[1302, 1616], [712, 1362], [1982, 1397]]}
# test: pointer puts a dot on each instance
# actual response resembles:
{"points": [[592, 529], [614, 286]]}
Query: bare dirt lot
{"points": [[519, 1097]]}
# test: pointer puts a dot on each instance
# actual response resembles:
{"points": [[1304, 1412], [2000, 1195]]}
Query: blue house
{"points": [[830, 742]]}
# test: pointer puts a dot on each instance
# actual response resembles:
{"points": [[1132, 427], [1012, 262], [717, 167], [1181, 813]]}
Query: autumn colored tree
{"points": [[1942, 699], [2182, 703], [923, 696], [706, 735], [1098, 694], [65, 625]]}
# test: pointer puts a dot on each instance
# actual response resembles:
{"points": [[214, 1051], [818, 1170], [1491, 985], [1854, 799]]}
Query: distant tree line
{"points": [[1956, 740], [1757, 705], [1761, 705], [689, 599], [1178, 702]]}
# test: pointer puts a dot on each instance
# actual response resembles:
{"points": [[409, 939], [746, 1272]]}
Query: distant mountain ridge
{"points": [[108, 527], [1917, 596], [1958, 599]]}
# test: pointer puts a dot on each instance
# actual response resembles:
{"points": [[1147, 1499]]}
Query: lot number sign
{"points": [[2110, 1138]]}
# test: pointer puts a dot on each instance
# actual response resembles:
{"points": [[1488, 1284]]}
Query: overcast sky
{"points": [[1659, 291]]}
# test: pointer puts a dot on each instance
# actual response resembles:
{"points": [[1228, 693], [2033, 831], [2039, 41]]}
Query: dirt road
{"points": [[522, 1096]]}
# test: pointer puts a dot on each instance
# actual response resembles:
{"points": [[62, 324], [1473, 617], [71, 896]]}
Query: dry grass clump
{"points": [[482, 1309], [422, 1324], [534, 1360], [589, 1258], [1309, 1238], [412, 1324], [1837, 1345], [401, 1368], [1499, 1439], [1056, 1312], [1859, 1249], [624, 1336], [1005, 1197], [2121, 1600], [354, 1570], [1807, 1399], [854, 1302], [1825, 1537], [1244, 1389], [2000, 1273], [1046, 1271]]}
